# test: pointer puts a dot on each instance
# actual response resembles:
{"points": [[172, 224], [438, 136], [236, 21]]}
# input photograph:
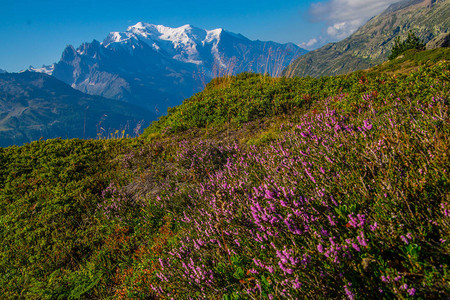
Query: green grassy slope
{"points": [[248, 97], [53, 230], [256, 188], [411, 60]]}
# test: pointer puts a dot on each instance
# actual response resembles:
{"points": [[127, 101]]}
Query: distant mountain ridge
{"points": [[155, 66], [34, 105], [371, 44]]}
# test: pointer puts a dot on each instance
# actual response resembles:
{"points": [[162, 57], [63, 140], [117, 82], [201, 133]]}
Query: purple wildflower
{"points": [[349, 293], [367, 125], [404, 239], [412, 291], [320, 248]]}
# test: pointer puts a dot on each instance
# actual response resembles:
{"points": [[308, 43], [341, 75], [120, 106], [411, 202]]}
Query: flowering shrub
{"points": [[327, 210], [347, 198], [349, 201]]}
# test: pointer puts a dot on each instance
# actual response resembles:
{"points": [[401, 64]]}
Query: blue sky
{"points": [[35, 32]]}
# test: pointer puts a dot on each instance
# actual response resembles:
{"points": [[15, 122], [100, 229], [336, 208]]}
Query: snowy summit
{"points": [[155, 66]]}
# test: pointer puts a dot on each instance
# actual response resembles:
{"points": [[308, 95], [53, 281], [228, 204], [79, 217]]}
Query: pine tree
{"points": [[411, 42]]}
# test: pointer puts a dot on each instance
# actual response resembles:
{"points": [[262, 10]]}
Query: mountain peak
{"points": [[143, 26], [179, 34], [139, 25], [157, 66], [89, 49], [180, 43], [44, 69], [69, 53]]}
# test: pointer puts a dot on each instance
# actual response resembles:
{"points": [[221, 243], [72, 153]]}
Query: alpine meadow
{"points": [[257, 186]]}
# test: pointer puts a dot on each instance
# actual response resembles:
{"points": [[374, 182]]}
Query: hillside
{"points": [[371, 44], [325, 188], [412, 60], [34, 106]]}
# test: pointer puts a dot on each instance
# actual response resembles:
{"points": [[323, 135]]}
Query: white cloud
{"points": [[310, 44], [343, 17]]}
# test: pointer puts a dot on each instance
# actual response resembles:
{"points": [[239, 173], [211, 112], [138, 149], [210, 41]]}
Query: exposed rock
{"points": [[371, 44], [443, 40]]}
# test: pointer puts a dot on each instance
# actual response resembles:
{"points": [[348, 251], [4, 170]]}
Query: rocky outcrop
{"points": [[371, 44]]}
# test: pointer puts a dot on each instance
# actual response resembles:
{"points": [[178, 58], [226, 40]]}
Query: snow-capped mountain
{"points": [[44, 69], [155, 66]]}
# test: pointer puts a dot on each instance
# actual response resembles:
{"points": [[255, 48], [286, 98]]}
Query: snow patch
{"points": [[182, 43], [44, 69]]}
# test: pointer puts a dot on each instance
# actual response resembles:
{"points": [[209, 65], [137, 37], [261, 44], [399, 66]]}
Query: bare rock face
{"points": [[371, 44], [443, 40]]}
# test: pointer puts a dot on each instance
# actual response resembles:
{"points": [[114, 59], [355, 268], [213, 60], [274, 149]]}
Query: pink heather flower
{"points": [[353, 221], [332, 223], [362, 220], [361, 239], [285, 270], [296, 284], [320, 248], [404, 287], [258, 286], [412, 291], [349, 293], [367, 125], [269, 194], [324, 232], [374, 226], [446, 211], [310, 176], [404, 239]]}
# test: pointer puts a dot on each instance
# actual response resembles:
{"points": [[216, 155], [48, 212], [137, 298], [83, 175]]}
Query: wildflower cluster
{"points": [[328, 209]]}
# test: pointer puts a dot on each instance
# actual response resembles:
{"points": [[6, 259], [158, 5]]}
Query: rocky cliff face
{"points": [[371, 44]]}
